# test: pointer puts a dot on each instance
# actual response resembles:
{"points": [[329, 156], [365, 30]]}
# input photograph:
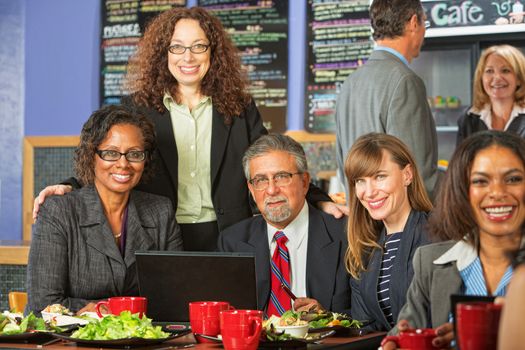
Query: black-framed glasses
{"points": [[260, 183], [180, 49], [110, 155]]}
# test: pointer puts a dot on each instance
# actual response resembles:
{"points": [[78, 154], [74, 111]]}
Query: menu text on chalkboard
{"points": [[259, 29], [123, 22], [339, 41]]}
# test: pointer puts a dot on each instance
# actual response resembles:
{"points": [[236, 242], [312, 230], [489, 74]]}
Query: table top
{"points": [[368, 341]]}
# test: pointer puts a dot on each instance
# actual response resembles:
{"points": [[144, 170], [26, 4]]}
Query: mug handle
{"points": [[258, 328], [99, 304], [393, 338]]}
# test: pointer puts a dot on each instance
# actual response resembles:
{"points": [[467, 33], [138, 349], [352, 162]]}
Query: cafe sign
{"points": [[475, 13]]}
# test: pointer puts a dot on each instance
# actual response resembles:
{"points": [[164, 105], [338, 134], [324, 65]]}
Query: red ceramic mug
{"points": [[477, 325], [116, 305], [241, 329], [420, 339], [204, 318]]}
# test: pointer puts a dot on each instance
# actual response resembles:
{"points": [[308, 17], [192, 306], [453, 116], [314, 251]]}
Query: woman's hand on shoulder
{"points": [[337, 210], [46, 192]]}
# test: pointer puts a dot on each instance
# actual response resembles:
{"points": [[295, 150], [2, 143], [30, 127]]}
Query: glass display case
{"points": [[447, 72]]}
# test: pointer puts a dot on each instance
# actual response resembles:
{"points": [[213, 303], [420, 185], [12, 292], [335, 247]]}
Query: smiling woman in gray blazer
{"points": [[83, 243], [480, 209]]}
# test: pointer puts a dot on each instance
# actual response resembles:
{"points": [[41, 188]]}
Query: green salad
{"points": [[10, 325], [330, 319], [126, 325]]}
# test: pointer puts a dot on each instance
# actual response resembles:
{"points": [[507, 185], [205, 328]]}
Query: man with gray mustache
{"points": [[315, 243]]}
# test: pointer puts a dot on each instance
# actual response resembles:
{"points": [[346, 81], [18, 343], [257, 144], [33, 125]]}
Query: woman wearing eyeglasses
{"points": [[83, 244], [186, 77]]}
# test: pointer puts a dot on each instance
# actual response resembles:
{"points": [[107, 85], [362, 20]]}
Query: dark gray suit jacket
{"points": [[364, 291], [326, 277], [386, 96], [74, 259]]}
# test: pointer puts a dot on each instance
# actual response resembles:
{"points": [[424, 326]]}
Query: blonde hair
{"points": [[364, 159], [516, 61]]}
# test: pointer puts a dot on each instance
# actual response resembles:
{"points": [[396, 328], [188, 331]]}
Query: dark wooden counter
{"points": [[370, 341]]}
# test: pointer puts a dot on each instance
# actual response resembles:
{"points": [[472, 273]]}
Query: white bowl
{"points": [[294, 331]]}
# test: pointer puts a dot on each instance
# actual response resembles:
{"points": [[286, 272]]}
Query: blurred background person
{"points": [[511, 335], [499, 93], [385, 95], [186, 78], [480, 211], [83, 244]]}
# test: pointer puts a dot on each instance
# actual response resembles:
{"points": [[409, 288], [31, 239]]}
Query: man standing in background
{"points": [[385, 95]]}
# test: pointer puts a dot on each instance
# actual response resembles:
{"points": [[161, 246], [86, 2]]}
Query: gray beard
{"points": [[278, 214]]}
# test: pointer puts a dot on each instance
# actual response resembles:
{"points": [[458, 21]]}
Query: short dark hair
{"points": [[452, 217], [389, 17], [95, 130], [275, 142]]}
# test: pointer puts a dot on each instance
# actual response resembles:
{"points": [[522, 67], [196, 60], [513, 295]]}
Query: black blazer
{"points": [[326, 277], [470, 123], [365, 305], [230, 195]]}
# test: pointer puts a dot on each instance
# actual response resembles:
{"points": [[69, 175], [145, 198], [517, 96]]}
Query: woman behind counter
{"points": [[499, 93], [83, 244], [480, 210], [186, 78], [389, 208]]}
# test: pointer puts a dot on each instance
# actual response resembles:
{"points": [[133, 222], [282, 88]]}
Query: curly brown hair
{"points": [[94, 132], [149, 78], [452, 218]]}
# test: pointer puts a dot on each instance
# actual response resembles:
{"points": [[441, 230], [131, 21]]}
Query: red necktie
{"points": [[280, 269]]}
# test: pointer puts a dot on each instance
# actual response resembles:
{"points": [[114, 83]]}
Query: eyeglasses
{"points": [[427, 24], [179, 49], [260, 183], [131, 156]]}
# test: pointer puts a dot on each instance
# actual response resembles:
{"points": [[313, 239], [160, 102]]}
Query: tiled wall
{"points": [[12, 278], [52, 165]]}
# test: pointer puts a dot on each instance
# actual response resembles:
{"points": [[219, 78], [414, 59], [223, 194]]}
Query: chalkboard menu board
{"points": [[259, 29], [339, 41], [123, 22]]}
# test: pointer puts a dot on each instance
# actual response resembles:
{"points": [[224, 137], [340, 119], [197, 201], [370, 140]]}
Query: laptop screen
{"points": [[170, 280]]}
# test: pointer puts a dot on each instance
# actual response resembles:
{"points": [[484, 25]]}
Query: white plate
{"points": [[63, 320]]}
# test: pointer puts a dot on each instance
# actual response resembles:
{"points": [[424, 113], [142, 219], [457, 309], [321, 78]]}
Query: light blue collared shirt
{"points": [[393, 52]]}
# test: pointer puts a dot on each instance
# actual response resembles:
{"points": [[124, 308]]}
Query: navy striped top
{"points": [[383, 283]]}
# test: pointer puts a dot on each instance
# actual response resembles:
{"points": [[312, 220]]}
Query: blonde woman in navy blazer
{"points": [[388, 202]]}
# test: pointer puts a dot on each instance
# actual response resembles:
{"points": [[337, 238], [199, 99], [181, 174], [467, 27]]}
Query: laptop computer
{"points": [[170, 280]]}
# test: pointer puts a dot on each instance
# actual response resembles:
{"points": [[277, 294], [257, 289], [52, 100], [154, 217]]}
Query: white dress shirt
{"points": [[297, 234]]}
